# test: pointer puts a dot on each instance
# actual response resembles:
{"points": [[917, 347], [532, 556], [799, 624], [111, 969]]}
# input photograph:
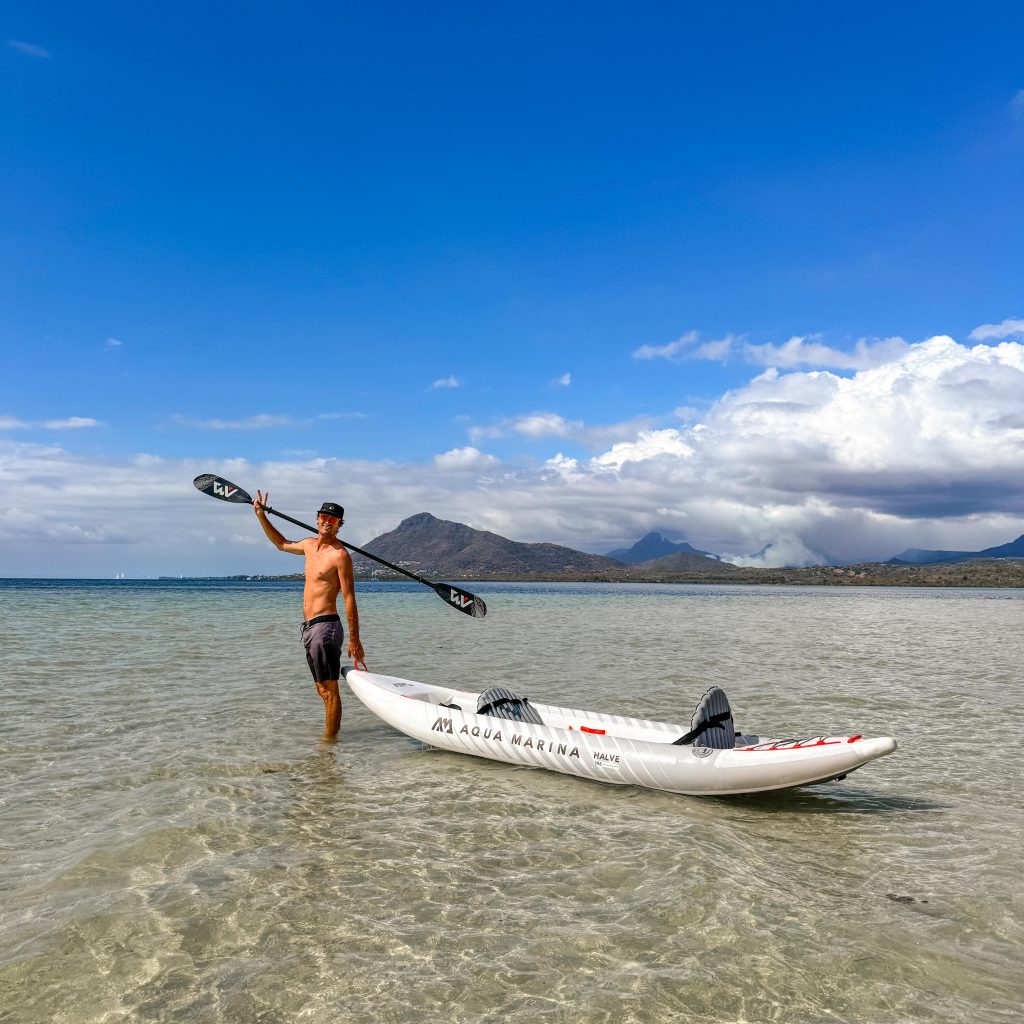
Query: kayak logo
{"points": [[700, 751], [460, 600], [223, 490], [600, 757], [442, 725]]}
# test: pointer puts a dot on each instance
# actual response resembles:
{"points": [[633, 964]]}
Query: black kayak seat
{"points": [[712, 724], [497, 702]]}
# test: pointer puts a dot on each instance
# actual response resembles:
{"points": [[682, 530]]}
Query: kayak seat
{"points": [[712, 724], [501, 703]]}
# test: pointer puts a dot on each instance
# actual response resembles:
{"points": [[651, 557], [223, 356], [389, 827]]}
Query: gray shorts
{"points": [[322, 638]]}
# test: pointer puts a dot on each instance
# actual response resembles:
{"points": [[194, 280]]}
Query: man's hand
{"points": [[355, 652], [261, 500]]}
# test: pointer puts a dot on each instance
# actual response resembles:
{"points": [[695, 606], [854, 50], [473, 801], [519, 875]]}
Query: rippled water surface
{"points": [[177, 844]]}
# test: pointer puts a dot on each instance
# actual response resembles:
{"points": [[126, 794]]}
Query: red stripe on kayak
{"points": [[595, 732]]}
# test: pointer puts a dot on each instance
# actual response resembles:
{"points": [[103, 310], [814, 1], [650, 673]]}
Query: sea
{"points": [[178, 843]]}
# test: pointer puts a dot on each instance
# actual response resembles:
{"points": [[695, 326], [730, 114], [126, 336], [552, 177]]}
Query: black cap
{"points": [[330, 508]]}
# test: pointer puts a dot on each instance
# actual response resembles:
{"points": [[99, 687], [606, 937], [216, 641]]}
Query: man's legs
{"points": [[332, 706], [321, 638]]}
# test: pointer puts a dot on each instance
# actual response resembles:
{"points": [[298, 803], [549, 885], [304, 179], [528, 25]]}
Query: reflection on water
{"points": [[177, 844]]}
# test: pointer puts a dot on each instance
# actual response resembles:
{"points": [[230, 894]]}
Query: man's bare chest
{"points": [[322, 566]]}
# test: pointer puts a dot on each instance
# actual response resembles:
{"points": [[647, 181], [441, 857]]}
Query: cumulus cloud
{"points": [[12, 423], [464, 459], [543, 424], [996, 332], [925, 450], [810, 351], [649, 444], [29, 49], [534, 425], [447, 382], [564, 381]]}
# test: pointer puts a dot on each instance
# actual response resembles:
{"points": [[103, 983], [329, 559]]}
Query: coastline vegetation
{"points": [[983, 572]]}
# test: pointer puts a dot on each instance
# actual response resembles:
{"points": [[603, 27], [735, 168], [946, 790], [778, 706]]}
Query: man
{"points": [[328, 571]]}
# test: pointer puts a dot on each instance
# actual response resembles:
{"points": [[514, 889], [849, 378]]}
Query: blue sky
{"points": [[446, 258]]}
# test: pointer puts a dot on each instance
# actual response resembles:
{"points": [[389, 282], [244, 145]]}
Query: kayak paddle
{"points": [[469, 604]]}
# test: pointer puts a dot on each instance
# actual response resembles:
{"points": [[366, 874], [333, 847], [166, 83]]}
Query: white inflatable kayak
{"points": [[707, 759]]}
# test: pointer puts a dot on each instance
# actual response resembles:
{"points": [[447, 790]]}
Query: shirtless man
{"points": [[328, 571]]}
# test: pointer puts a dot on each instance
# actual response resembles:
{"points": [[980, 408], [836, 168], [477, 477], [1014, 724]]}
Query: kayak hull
{"points": [[608, 748]]}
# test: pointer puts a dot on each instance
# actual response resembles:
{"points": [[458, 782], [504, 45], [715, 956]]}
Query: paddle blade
{"points": [[467, 603], [218, 487]]}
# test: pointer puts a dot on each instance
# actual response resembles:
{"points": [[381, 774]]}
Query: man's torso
{"points": [[323, 579]]}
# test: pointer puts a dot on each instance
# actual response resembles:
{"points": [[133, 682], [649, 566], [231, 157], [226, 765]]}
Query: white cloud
{"points": [[784, 550], [71, 423], [544, 424], [649, 444], [112, 343], [564, 381], [715, 351], [669, 351], [689, 346], [447, 382], [342, 416], [995, 332], [798, 351], [68, 423], [29, 49], [926, 450], [462, 459], [562, 464], [809, 351], [537, 425], [260, 421]]}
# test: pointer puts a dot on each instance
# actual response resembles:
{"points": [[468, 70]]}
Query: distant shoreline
{"points": [[989, 572]]}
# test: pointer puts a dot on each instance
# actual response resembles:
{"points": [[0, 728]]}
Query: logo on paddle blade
{"points": [[460, 600], [223, 490]]}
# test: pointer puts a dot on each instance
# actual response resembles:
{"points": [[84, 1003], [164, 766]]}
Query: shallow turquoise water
{"points": [[177, 843]]}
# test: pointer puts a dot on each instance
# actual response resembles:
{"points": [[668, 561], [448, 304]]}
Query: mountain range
{"points": [[921, 556], [425, 544], [430, 546]]}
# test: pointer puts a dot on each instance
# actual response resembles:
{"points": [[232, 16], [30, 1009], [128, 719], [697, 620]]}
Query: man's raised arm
{"points": [[273, 534]]}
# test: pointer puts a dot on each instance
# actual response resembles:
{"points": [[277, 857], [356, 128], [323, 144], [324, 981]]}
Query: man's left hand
{"points": [[355, 652]]}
